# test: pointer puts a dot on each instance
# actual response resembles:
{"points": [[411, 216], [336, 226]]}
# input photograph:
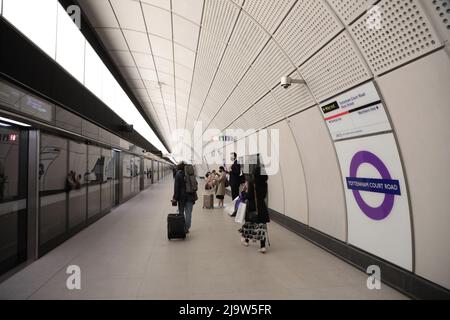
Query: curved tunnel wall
{"points": [[414, 89]]}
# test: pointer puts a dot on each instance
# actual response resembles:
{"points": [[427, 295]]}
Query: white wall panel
{"points": [[417, 98], [327, 211], [275, 197], [295, 195]]}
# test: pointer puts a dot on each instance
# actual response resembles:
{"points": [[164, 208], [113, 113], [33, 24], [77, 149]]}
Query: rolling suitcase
{"points": [[208, 201], [176, 226]]}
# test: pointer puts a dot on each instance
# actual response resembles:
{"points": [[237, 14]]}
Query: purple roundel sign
{"points": [[386, 185]]}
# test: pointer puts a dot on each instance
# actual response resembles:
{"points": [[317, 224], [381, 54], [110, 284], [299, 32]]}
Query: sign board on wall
{"points": [[355, 113], [377, 199]]}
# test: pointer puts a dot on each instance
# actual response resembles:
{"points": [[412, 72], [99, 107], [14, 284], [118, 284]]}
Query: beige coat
{"points": [[220, 183]]}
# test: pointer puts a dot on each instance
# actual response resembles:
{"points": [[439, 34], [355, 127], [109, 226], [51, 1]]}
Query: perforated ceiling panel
{"points": [[268, 13], [222, 87], [253, 119], [209, 53], [233, 65], [337, 67], [439, 11], [291, 101], [252, 86], [248, 38], [268, 110], [272, 64], [220, 91], [308, 26], [219, 18], [404, 33], [349, 10], [233, 108]]}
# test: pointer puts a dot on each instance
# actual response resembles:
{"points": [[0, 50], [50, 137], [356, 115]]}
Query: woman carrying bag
{"points": [[257, 214]]}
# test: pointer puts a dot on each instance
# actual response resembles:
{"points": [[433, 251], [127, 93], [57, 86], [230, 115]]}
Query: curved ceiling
{"points": [[220, 61]]}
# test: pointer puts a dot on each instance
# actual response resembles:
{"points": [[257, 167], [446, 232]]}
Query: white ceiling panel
{"points": [[159, 3], [166, 79], [129, 14], [138, 41], [148, 74], [183, 73], [184, 56], [164, 65], [182, 98], [144, 60], [183, 84], [153, 88], [158, 21], [161, 47], [185, 33], [189, 9]]}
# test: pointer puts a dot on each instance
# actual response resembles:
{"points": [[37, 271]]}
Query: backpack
{"points": [[191, 181]]}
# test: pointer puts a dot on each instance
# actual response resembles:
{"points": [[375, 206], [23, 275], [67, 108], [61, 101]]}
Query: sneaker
{"points": [[244, 243], [262, 250]]}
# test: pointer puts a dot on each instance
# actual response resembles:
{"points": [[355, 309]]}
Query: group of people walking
{"points": [[249, 190]]}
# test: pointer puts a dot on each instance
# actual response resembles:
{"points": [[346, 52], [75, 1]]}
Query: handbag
{"points": [[240, 215]]}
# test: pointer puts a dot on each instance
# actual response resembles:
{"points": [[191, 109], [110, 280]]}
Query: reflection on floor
{"points": [[126, 255]]}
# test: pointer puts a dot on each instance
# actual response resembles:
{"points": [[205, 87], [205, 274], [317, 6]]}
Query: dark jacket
{"points": [[235, 174], [256, 196], [179, 192]]}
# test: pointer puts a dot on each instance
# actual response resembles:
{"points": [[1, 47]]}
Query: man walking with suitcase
{"points": [[185, 192]]}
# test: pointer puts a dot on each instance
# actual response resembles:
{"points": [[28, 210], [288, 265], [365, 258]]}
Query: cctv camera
{"points": [[286, 82]]}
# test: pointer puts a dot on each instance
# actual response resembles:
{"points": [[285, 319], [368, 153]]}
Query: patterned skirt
{"points": [[254, 231]]}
